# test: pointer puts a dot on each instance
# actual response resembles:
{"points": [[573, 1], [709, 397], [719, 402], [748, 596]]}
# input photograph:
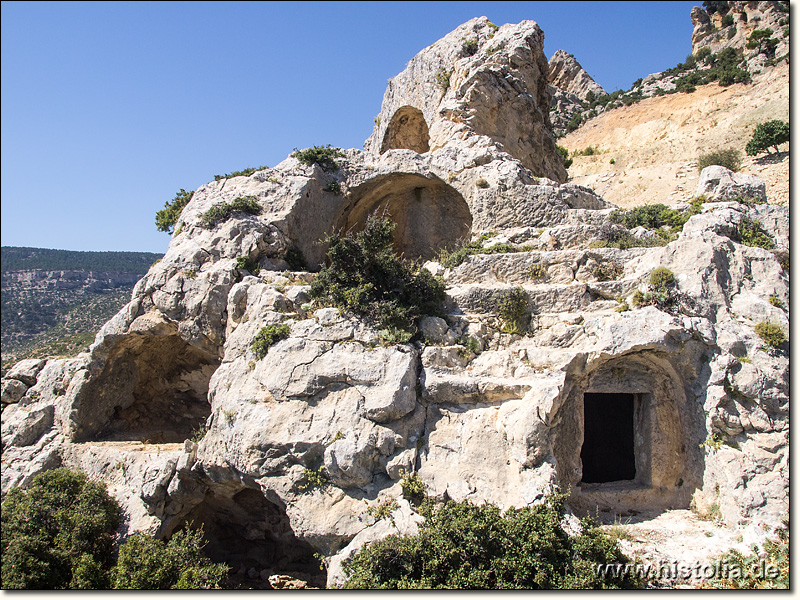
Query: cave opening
{"points": [[608, 452], [428, 213], [407, 129], [248, 532]]}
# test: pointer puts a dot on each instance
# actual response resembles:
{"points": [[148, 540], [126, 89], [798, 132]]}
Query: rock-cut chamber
{"points": [[429, 214], [407, 129]]}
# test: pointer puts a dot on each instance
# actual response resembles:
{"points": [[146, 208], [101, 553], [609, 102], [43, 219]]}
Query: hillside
{"points": [[54, 301]]}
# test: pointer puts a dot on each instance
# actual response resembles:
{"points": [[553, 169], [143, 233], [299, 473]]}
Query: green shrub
{"points": [[728, 158], [537, 271], [771, 333], [727, 20], [651, 216], [146, 563], [443, 79], [412, 486], [295, 259], [334, 188], [245, 263], [661, 291], [268, 336], [365, 276], [574, 122], [661, 279], [776, 302], [58, 533], [512, 307], [452, 258], [608, 271], [766, 135], [324, 156], [223, 210], [243, 173], [313, 479], [469, 47], [463, 546], [765, 568], [168, 216], [752, 234], [565, 154], [762, 40]]}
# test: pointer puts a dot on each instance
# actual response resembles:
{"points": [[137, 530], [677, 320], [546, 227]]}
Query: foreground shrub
{"points": [[463, 546], [365, 276], [751, 233], [766, 135], [651, 216], [243, 173], [58, 533], [146, 563], [728, 158], [223, 210], [512, 308], [565, 155], [168, 216]]}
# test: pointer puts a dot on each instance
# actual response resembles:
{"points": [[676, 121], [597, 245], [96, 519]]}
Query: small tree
{"points": [[766, 135], [168, 216], [58, 533], [762, 40]]}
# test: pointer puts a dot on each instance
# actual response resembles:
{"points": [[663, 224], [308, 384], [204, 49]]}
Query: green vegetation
{"points": [[727, 20], [223, 210], [712, 6], [766, 568], [443, 79], [334, 187], [766, 135], [295, 259], [383, 510], [727, 157], [463, 546], [776, 302], [412, 486], [653, 216], [313, 479], [661, 291], [512, 308], [661, 279], [771, 333], [146, 563], [588, 151], [537, 271], [751, 233], [575, 122], [565, 154], [365, 276], [245, 263], [762, 41], [453, 258], [58, 533], [243, 173], [22, 259], [324, 156], [168, 216], [469, 47], [608, 271], [268, 336]]}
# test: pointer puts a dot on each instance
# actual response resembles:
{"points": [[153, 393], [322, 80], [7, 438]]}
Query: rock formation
{"points": [[710, 31], [566, 73], [507, 424]]}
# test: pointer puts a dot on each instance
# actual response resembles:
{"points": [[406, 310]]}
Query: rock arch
{"points": [[407, 129], [153, 387], [658, 463], [429, 214]]}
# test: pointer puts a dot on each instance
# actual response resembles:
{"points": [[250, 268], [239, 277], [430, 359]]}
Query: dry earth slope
{"points": [[655, 143]]}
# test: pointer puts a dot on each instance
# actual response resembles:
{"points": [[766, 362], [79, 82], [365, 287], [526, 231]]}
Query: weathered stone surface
{"points": [[719, 183], [26, 370], [566, 73]]}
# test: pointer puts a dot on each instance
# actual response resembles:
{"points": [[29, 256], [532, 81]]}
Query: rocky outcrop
{"points": [[731, 27], [304, 449], [481, 85], [566, 73]]}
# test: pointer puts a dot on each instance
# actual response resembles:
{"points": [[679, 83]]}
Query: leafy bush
{"points": [[762, 40], [294, 257], [463, 546], [58, 533], [728, 158], [752, 234], [268, 336], [365, 276], [245, 263], [168, 216], [712, 6], [223, 210], [574, 122], [771, 333], [512, 307], [537, 271], [661, 279], [412, 486], [766, 135], [565, 154], [324, 156], [775, 301], [616, 236], [727, 20], [765, 568], [651, 216], [661, 291], [313, 479], [146, 563], [452, 258], [243, 173]]}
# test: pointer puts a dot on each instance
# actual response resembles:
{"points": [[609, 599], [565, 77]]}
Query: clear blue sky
{"points": [[108, 108]]}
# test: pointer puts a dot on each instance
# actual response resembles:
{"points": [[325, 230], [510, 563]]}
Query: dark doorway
{"points": [[608, 453]]}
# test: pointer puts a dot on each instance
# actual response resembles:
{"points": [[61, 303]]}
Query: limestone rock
{"points": [[566, 73], [719, 183]]}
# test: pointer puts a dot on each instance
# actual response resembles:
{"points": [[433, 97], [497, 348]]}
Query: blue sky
{"points": [[108, 108]]}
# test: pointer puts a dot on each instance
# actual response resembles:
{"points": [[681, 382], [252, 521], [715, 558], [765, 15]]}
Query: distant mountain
{"points": [[54, 301]]}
